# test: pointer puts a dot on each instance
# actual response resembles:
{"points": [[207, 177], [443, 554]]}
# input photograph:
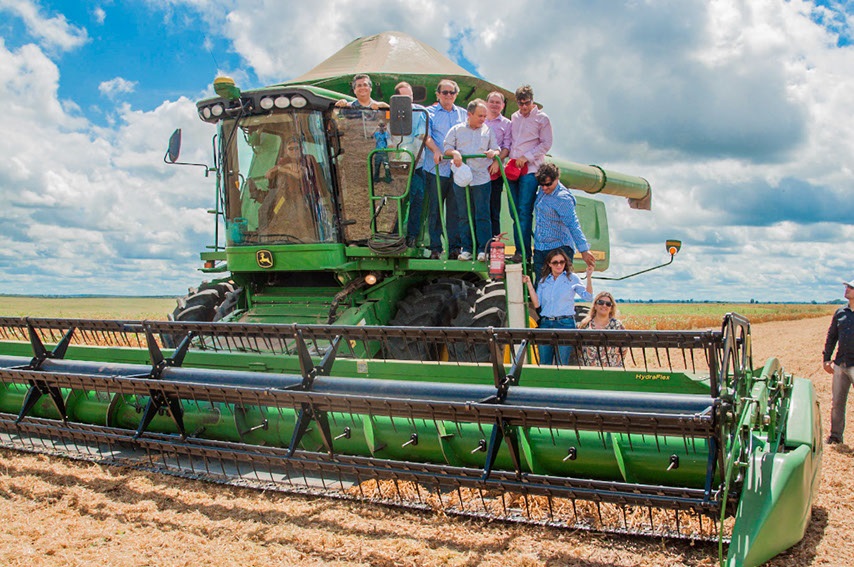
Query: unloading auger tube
{"points": [[686, 441]]}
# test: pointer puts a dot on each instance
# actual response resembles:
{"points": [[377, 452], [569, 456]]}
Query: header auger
{"points": [[330, 356], [687, 441]]}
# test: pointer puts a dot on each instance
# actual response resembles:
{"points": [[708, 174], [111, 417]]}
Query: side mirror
{"points": [[400, 116], [174, 147]]}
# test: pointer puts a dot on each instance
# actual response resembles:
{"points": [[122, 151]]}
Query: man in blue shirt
{"points": [[557, 220], [441, 118], [413, 143], [381, 139]]}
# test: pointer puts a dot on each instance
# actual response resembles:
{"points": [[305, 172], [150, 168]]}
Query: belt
{"points": [[559, 318]]}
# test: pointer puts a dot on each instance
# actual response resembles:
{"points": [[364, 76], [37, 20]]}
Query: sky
{"points": [[739, 113]]}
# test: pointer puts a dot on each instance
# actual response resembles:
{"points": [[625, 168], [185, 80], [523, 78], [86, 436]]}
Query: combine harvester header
{"points": [[330, 356]]}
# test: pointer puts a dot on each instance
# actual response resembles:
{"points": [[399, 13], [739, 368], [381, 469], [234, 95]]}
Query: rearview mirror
{"points": [[174, 147], [400, 116]]}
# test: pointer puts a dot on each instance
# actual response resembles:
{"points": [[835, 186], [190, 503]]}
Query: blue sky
{"points": [[737, 112]]}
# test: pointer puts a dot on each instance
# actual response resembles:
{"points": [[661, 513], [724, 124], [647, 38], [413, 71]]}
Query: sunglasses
{"points": [[448, 92], [604, 302], [546, 182], [524, 102], [557, 262]]}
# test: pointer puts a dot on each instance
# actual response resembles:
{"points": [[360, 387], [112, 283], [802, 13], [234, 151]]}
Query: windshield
{"points": [[277, 180]]}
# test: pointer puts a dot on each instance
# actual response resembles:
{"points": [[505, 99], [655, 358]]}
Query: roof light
{"points": [[298, 102], [217, 110], [206, 113], [266, 103], [282, 102]]}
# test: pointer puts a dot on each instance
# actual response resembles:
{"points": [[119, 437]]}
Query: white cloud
{"points": [[735, 111], [94, 209], [53, 32], [99, 14], [114, 87]]}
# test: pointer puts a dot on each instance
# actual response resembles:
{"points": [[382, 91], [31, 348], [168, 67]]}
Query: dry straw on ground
{"points": [[58, 512]]}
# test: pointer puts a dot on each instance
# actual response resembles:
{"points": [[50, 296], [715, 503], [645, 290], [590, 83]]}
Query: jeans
{"points": [[524, 193], [843, 378], [540, 259], [416, 204], [452, 221], [547, 351], [497, 187], [479, 196]]}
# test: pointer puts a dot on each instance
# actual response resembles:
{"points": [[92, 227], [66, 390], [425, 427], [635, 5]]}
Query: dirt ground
{"points": [[59, 512]]}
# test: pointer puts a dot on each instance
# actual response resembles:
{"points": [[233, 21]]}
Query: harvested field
{"points": [[59, 512]]}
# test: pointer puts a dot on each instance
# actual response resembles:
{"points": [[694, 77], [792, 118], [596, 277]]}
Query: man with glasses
{"points": [[531, 134], [442, 117], [840, 335], [557, 220]]}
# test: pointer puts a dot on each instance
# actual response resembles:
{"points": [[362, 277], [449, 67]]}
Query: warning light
{"points": [[673, 246]]}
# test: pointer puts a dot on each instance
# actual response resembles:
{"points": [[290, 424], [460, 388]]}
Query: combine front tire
{"points": [[208, 303], [484, 306], [431, 304]]}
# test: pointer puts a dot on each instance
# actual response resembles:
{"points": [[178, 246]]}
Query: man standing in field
{"points": [[840, 335]]}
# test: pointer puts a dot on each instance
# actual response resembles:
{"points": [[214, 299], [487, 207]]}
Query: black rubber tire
{"points": [[199, 305], [431, 304], [484, 306]]}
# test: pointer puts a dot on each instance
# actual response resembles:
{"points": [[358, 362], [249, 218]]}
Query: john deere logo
{"points": [[264, 258]]}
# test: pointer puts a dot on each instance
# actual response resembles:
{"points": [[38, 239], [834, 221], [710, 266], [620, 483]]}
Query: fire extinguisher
{"points": [[496, 256]]}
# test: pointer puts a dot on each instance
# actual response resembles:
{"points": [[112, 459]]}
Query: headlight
{"points": [[298, 102], [282, 102], [206, 113], [266, 103], [217, 109]]}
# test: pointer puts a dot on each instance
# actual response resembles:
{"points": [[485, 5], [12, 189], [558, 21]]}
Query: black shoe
{"points": [[833, 440], [516, 258], [435, 255], [454, 255], [410, 242]]}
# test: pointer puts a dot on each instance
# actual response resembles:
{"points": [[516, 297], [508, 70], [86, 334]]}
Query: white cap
{"points": [[462, 175], [850, 284]]}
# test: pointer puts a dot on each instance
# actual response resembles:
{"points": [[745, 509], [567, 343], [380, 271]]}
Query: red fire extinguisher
{"points": [[496, 256]]}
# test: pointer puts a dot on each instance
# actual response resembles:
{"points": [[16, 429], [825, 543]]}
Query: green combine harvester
{"points": [[325, 356]]}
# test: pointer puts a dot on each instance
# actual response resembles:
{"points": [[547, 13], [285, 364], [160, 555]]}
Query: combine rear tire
{"points": [[484, 306], [432, 304]]}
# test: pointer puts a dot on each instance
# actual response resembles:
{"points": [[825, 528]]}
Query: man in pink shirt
{"points": [[531, 133], [500, 126]]}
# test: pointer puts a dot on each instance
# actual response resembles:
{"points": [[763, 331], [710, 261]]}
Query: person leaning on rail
{"points": [[558, 227], [840, 335], [471, 138], [555, 298], [443, 117], [362, 87]]}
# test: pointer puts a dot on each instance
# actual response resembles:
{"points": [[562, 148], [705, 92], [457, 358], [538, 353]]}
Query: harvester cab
{"points": [[329, 357]]}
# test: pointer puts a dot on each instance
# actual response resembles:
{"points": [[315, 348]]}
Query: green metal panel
{"points": [[294, 257]]}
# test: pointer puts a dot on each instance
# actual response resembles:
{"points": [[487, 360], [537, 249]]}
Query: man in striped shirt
{"points": [[557, 220]]}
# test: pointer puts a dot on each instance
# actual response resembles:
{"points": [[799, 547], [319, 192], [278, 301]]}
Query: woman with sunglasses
{"points": [[602, 315], [555, 296]]}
